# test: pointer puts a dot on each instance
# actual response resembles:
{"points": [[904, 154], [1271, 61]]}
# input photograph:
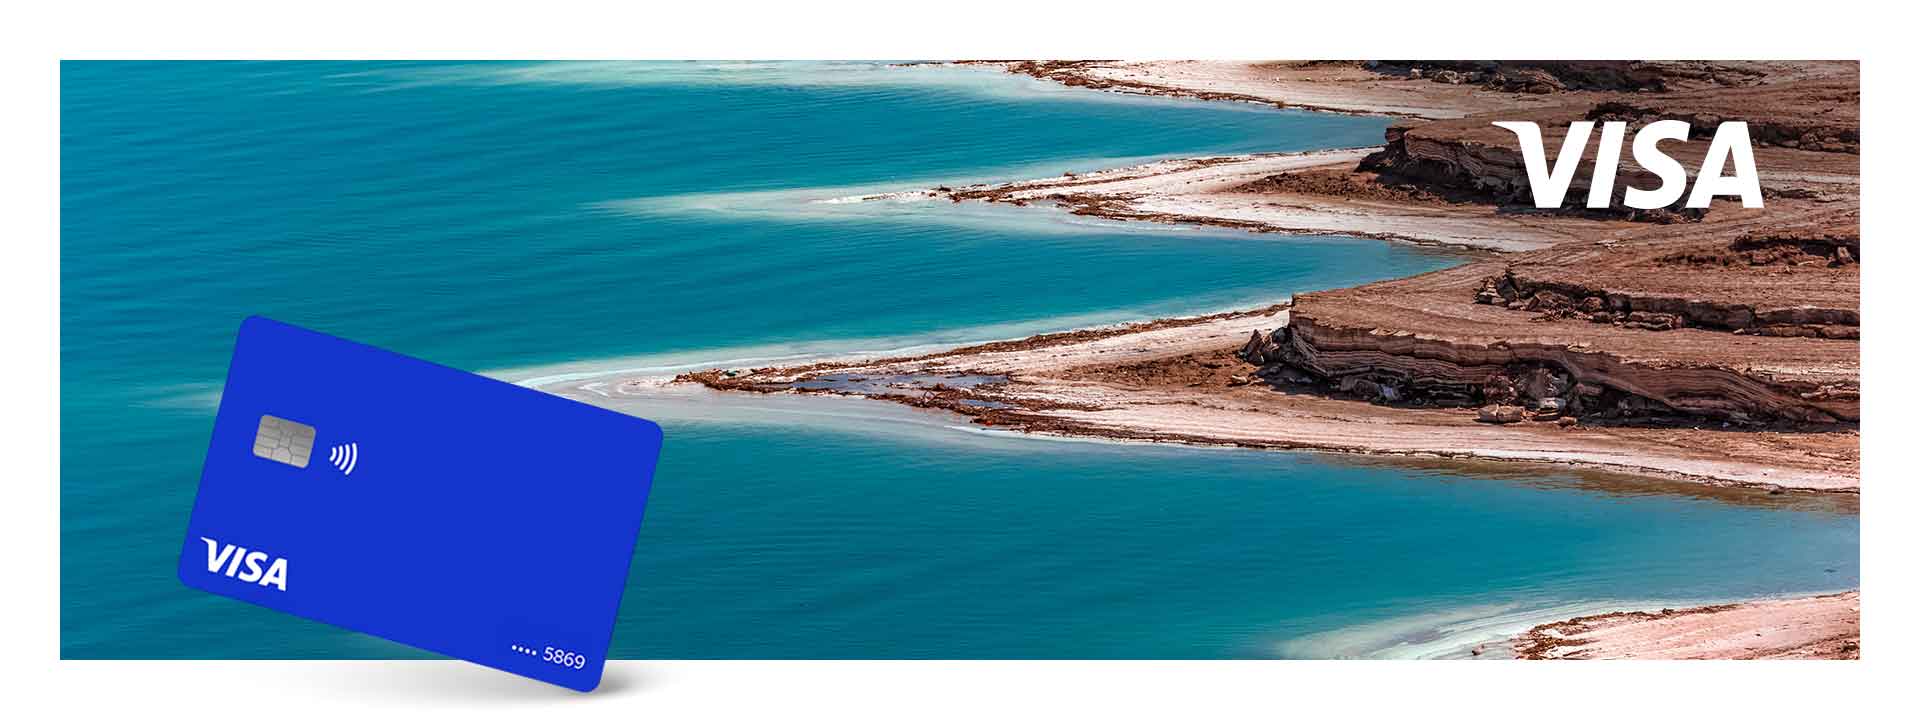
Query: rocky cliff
{"points": [[1742, 316], [1793, 125], [1539, 380]]}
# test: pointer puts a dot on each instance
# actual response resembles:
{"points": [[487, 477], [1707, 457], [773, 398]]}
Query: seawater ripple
{"points": [[554, 223]]}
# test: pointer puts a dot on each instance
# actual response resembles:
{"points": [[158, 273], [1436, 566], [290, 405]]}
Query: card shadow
{"points": [[443, 682]]}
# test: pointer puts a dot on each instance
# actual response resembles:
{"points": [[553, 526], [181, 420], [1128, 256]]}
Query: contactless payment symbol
{"points": [[344, 457]]}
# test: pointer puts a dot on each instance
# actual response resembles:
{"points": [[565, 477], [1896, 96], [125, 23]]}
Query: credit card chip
{"points": [[282, 440]]}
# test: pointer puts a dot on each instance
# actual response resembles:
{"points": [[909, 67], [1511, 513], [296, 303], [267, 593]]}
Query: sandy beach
{"points": [[1180, 380], [1430, 91], [1825, 627], [1331, 87], [1214, 191]]}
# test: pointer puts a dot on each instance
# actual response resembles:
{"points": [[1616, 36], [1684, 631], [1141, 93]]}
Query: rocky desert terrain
{"points": [[1719, 345], [1715, 345], [1745, 317]]}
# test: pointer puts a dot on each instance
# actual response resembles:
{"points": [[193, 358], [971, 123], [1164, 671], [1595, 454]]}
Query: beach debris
{"points": [[1255, 351], [1489, 293], [1502, 414], [1548, 409]]}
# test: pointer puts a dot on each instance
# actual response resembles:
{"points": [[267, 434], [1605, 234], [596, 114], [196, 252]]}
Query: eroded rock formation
{"points": [[1743, 316], [1546, 379], [1792, 124]]}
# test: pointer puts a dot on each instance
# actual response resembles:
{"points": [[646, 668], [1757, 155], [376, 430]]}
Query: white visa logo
{"points": [[244, 565], [1550, 187]]}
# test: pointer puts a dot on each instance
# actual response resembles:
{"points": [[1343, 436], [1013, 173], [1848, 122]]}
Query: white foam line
{"points": [[1457, 632], [853, 350], [1442, 633], [849, 350], [807, 202], [987, 82], [645, 370]]}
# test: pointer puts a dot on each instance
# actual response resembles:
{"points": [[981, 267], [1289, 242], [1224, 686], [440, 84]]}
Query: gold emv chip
{"points": [[283, 440]]}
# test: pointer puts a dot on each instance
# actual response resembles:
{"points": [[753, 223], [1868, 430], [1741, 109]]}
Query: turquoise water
{"points": [[535, 220]]}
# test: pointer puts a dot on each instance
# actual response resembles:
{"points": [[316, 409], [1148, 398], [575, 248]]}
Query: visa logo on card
{"points": [[418, 503]]}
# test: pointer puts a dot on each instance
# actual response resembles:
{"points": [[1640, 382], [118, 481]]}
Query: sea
{"points": [[546, 223]]}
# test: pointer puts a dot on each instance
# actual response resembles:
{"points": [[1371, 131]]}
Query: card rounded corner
{"points": [[180, 573], [649, 431], [253, 320]]}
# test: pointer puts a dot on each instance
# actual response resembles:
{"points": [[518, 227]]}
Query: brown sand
{"points": [[1179, 381], [1184, 380], [1826, 627]]}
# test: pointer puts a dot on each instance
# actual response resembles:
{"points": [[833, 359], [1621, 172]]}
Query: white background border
{"points": [[37, 36]]}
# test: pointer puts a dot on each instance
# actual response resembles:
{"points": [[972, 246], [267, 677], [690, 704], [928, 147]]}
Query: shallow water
{"points": [[542, 222]]}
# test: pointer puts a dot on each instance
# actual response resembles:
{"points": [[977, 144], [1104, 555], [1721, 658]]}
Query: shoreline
{"points": [[1400, 89], [1790, 388], [1206, 191], [1063, 384], [1319, 87], [1213, 380], [1726, 372], [1817, 627]]}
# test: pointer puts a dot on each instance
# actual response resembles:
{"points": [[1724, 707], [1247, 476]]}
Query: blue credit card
{"points": [[422, 504]]}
